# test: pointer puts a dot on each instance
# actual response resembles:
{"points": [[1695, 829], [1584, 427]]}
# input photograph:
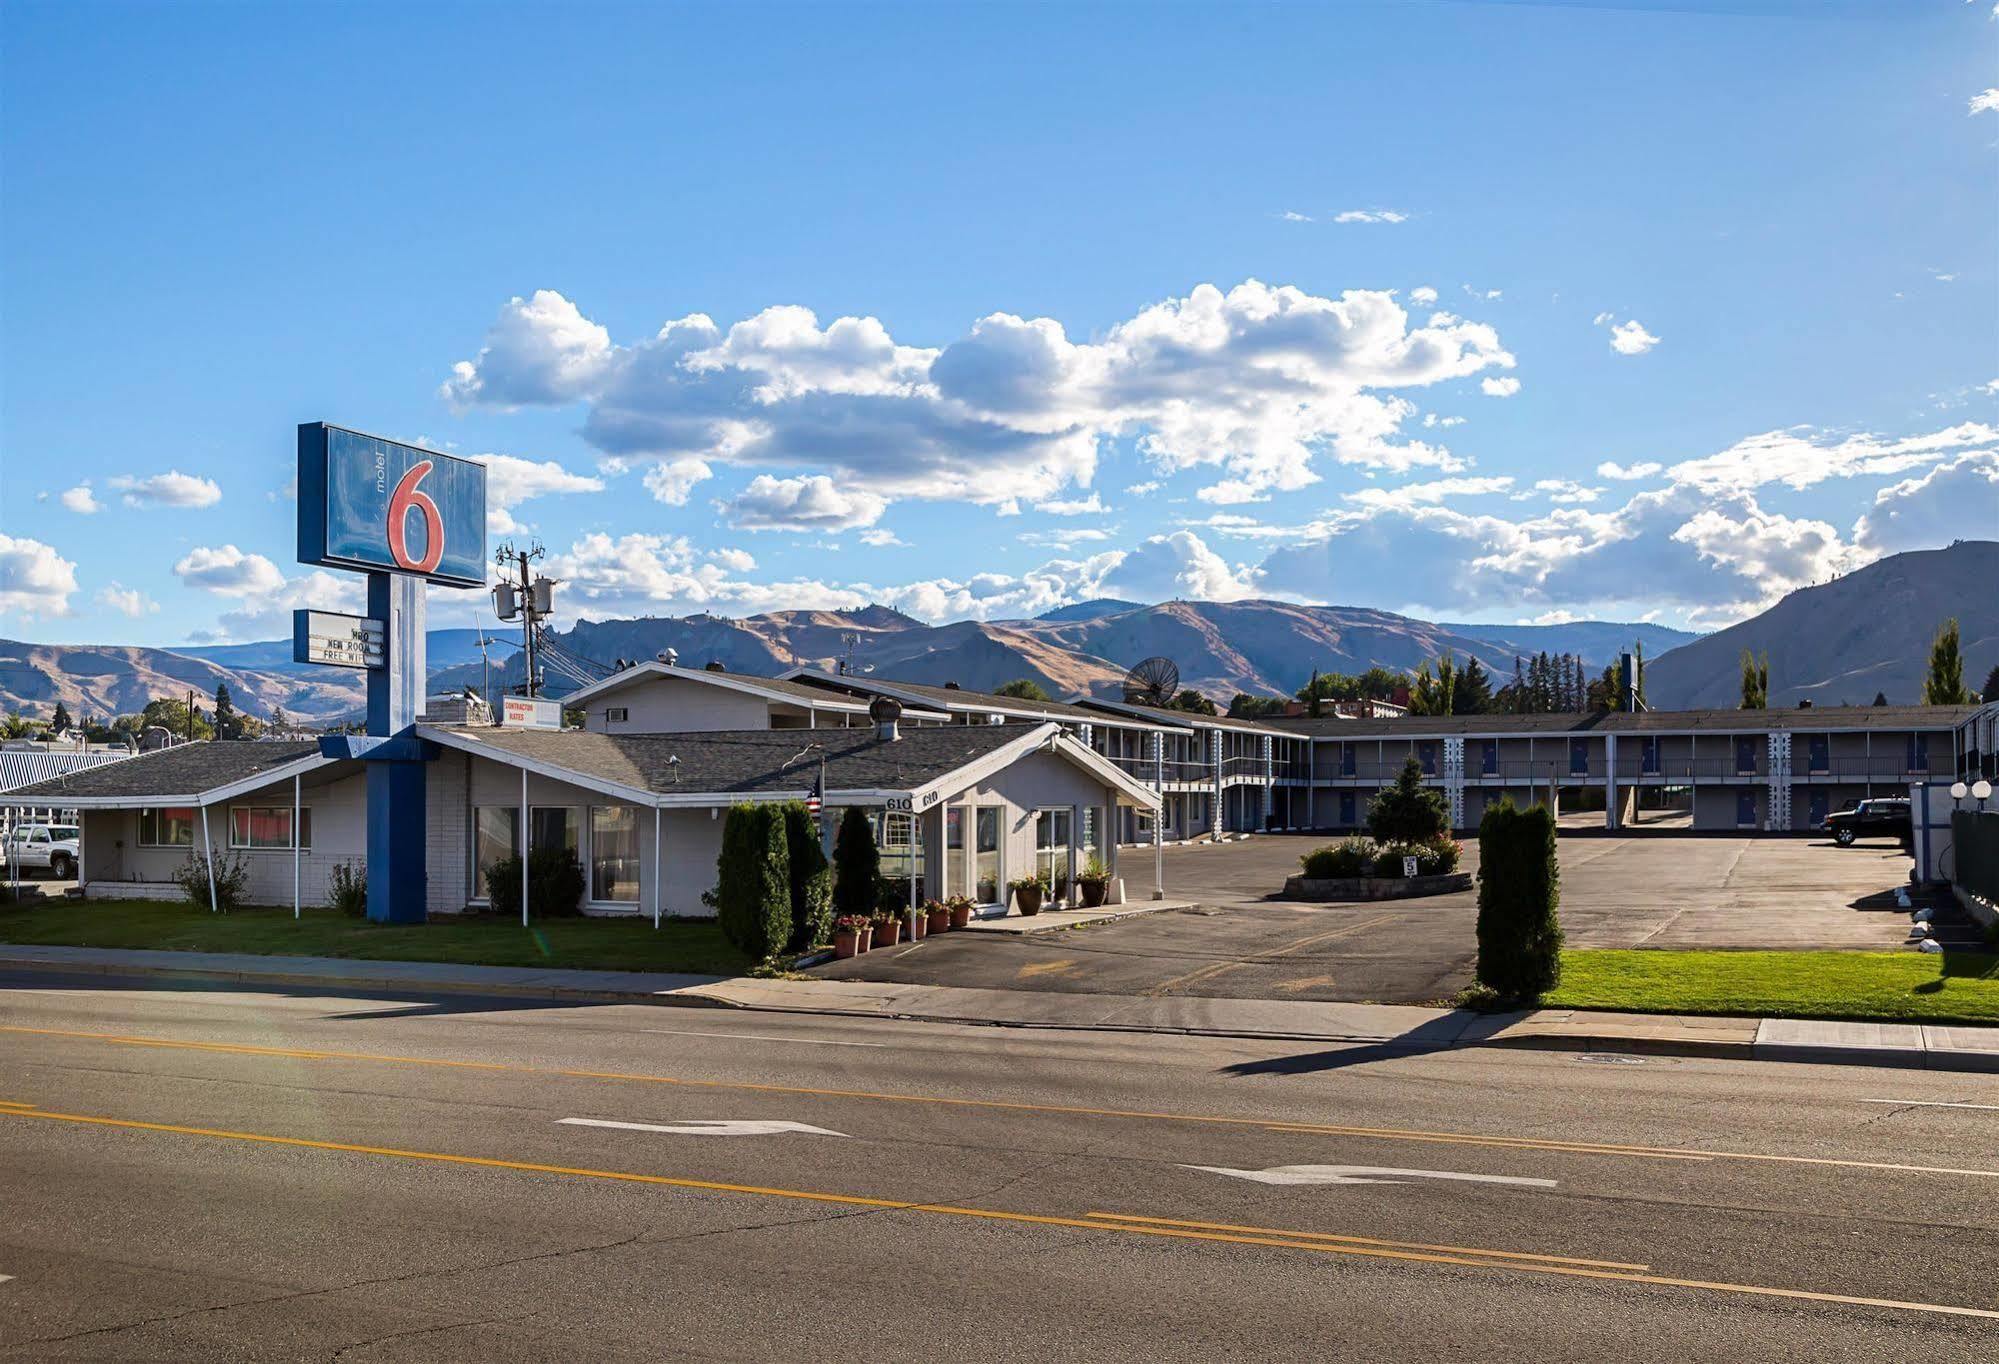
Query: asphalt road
{"points": [[1235, 943], [206, 1175]]}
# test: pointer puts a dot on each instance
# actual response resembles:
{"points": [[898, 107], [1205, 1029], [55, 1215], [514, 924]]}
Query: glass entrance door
{"points": [[988, 885]]}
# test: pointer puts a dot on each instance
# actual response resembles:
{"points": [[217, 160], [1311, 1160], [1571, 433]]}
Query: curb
{"points": [[1903, 1058]]}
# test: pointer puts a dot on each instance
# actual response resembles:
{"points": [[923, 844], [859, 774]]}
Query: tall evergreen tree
{"points": [[60, 721], [1880, 698], [1755, 681], [228, 724], [1519, 685], [1992, 684], [1945, 684], [1474, 690]]}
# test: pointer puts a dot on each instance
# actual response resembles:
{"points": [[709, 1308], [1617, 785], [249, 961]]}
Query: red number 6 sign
{"points": [[408, 496]]}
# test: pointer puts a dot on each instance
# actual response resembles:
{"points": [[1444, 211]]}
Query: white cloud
{"points": [[1627, 472], [1631, 338], [1435, 491], [81, 500], [1177, 565], [268, 614], [229, 572], [1258, 382], [1288, 216], [1074, 506], [1504, 386], [1801, 457], [1953, 499], [735, 560], [1423, 293], [34, 579], [1370, 215], [1985, 101], [539, 350], [511, 481], [126, 601], [1566, 490], [605, 576], [1484, 295], [670, 481], [1150, 486], [881, 539], [1432, 419], [813, 503], [170, 489]]}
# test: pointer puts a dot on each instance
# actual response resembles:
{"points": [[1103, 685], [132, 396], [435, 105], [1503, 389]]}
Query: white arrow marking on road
{"points": [[1361, 1174], [710, 1127]]}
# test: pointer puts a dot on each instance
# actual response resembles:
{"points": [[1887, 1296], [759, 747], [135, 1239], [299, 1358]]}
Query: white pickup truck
{"points": [[50, 848]]}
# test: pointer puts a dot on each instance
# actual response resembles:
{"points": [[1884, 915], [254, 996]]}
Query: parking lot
{"points": [[1641, 891]]}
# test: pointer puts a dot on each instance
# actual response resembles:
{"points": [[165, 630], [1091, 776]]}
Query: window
{"points": [[616, 715], [263, 827], [1051, 848], [555, 826], [614, 854], [169, 828], [900, 838], [495, 838]]}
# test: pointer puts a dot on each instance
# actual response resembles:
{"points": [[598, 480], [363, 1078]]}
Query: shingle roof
{"points": [[183, 770], [955, 698], [1640, 722], [748, 761]]}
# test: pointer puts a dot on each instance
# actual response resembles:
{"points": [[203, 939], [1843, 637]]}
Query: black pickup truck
{"points": [[1886, 818]]}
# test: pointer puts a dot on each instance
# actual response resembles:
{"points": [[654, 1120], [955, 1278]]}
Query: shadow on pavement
{"points": [[1440, 1035]]}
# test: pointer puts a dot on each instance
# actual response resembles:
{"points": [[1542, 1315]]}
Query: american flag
{"points": [[815, 799]]}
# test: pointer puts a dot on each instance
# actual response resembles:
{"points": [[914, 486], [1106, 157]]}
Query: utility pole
{"points": [[532, 599]]}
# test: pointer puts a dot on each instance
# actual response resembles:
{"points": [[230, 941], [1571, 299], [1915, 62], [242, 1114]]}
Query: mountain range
{"points": [[1842, 641]]}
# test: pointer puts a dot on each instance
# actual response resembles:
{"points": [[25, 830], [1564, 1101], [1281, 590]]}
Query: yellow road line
{"points": [[1002, 1105], [1094, 1222], [1367, 1241]]}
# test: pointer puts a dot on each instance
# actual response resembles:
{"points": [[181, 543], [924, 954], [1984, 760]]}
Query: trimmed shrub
{"points": [[347, 889], [1388, 860], [1438, 857], [753, 880], [893, 897], [1519, 887], [857, 866], [232, 880], [811, 880], [1348, 858], [1408, 812], [555, 885]]}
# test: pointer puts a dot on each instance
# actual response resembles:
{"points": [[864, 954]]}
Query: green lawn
{"points": [[588, 944], [1954, 987]]}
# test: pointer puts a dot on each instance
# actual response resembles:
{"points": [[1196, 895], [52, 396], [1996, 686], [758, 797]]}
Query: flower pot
{"points": [[846, 943], [1028, 901], [961, 916], [1093, 893], [919, 926], [888, 932], [937, 920]]}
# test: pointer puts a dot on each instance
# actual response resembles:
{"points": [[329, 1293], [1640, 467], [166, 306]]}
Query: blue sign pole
{"points": [[404, 516]]}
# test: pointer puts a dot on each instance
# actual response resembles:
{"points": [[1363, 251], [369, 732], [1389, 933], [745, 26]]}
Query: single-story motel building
{"points": [[969, 788]]}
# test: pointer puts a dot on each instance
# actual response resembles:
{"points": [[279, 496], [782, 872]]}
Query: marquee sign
{"points": [[339, 641], [377, 505]]}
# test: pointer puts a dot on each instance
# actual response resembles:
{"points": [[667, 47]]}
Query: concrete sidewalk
{"points": [[1393, 1028]]}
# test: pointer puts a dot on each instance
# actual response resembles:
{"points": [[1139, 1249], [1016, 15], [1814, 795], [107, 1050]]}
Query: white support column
{"points": [[1267, 751], [208, 851], [297, 803], [1454, 779], [659, 872], [1215, 816], [524, 853], [1074, 892], [1610, 810]]}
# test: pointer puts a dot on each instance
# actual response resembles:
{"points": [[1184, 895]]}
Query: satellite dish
{"points": [[1152, 682]]}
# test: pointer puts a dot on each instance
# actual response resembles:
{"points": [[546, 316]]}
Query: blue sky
{"points": [[1138, 298]]}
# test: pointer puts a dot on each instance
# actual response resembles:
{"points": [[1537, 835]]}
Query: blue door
{"points": [[1819, 754], [1919, 752], [1491, 757], [1821, 807], [1648, 754], [1579, 757], [1346, 760], [1346, 809], [1745, 809], [1745, 757], [1429, 755]]}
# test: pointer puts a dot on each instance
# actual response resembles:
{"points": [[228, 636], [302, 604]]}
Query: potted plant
{"points": [[918, 925], [888, 930], [1028, 893], [936, 916], [960, 907], [1095, 879], [850, 936]]}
